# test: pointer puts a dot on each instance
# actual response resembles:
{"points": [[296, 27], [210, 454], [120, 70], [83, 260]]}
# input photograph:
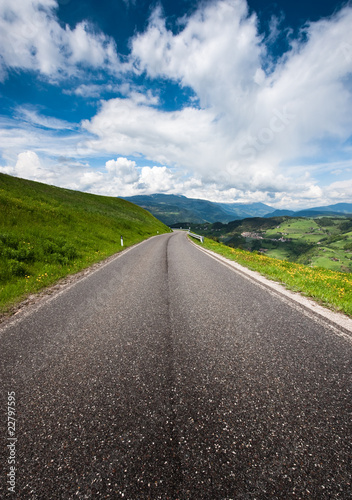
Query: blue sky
{"points": [[220, 99]]}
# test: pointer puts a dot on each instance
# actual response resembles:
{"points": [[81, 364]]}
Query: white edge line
{"points": [[335, 320]]}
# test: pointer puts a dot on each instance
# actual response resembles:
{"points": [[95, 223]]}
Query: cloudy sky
{"points": [[226, 100]]}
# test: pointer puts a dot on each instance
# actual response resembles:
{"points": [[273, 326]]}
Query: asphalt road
{"points": [[165, 375]]}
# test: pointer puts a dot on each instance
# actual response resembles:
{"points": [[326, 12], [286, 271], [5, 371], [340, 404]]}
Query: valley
{"points": [[318, 242]]}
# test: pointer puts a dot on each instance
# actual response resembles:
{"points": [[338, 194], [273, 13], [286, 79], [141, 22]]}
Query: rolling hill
{"points": [[319, 242], [47, 233]]}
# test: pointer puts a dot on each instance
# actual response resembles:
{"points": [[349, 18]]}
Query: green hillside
{"points": [[318, 242], [47, 233]]}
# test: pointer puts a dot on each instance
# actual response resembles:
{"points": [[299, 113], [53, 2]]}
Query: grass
{"points": [[330, 288], [305, 229], [47, 233], [277, 253], [321, 242], [326, 232]]}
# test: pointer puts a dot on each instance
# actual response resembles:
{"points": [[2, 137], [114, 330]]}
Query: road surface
{"points": [[165, 375]]}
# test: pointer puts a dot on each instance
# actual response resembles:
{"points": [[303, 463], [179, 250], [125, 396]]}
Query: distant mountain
{"points": [[280, 213], [337, 209], [243, 211], [171, 209], [316, 213], [342, 208]]}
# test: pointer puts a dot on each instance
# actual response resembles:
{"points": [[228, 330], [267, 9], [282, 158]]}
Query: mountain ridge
{"points": [[172, 209], [335, 209]]}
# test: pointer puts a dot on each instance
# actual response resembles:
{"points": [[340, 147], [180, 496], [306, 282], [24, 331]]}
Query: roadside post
{"points": [[121, 241]]}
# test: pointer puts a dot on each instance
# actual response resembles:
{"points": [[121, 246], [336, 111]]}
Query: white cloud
{"points": [[159, 179], [84, 90], [255, 133], [340, 191], [87, 181], [28, 166], [217, 53], [31, 116], [122, 177], [45, 135], [31, 38], [95, 90], [123, 169], [250, 124], [131, 126]]}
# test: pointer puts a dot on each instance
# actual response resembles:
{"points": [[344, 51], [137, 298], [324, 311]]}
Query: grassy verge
{"points": [[47, 233], [330, 288]]}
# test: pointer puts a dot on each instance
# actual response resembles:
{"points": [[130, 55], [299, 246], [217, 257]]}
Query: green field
{"points": [[320, 242], [329, 243], [330, 288], [47, 233]]}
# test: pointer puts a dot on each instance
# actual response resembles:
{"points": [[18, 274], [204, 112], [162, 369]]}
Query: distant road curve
{"points": [[166, 375]]}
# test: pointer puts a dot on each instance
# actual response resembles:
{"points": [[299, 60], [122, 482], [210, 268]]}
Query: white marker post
{"points": [[121, 241]]}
